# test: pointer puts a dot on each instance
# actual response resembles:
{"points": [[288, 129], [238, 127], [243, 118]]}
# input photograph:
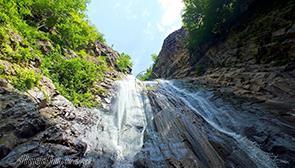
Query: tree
{"points": [[203, 19], [147, 74]]}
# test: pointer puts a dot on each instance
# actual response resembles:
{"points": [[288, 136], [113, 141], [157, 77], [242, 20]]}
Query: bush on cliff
{"points": [[148, 73], [124, 62], [75, 77], [25, 79]]}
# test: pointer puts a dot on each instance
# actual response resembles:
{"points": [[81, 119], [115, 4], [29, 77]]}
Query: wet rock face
{"points": [[40, 125], [272, 85], [38, 132], [192, 127]]}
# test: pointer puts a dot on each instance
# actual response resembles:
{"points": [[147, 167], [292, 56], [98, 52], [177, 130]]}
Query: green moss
{"points": [[99, 91]]}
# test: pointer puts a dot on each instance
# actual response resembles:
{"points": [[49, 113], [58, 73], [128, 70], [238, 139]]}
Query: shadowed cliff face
{"points": [[174, 57], [263, 35], [248, 115], [255, 59]]}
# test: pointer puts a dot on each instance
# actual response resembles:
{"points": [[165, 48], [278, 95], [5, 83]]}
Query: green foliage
{"points": [[75, 32], [75, 77], [203, 19], [154, 57], [147, 74], [63, 24], [124, 62], [2, 69], [76, 74], [25, 79]]}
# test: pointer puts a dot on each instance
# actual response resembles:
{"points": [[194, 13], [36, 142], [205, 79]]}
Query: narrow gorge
{"points": [[229, 102]]}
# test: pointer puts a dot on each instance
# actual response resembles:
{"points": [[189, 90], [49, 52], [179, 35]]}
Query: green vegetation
{"points": [[124, 62], [2, 69], [204, 19], [25, 79], [55, 34], [75, 77], [147, 74], [154, 57]]}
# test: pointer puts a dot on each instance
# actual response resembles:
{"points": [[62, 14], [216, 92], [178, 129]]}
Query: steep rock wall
{"points": [[254, 59], [42, 120], [262, 35]]}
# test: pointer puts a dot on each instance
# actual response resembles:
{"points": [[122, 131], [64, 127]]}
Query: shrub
{"points": [[25, 79], [75, 31], [62, 22], [75, 78], [124, 62], [148, 73], [154, 57], [76, 74]]}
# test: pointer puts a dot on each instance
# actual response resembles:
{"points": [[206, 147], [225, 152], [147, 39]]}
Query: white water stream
{"points": [[122, 129], [218, 119], [124, 125]]}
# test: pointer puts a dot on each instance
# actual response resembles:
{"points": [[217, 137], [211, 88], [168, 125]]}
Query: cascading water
{"points": [[123, 127], [217, 119], [134, 130], [130, 120]]}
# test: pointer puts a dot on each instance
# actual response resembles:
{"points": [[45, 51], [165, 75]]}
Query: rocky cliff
{"points": [[40, 124], [255, 58]]}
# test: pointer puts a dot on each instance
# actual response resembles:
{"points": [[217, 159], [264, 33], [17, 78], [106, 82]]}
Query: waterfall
{"points": [[124, 125], [217, 119], [160, 127]]}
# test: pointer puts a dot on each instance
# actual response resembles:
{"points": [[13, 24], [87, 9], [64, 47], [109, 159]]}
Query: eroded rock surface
{"points": [[195, 127], [42, 128]]}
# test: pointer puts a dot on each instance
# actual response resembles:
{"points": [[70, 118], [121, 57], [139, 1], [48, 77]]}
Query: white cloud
{"points": [[171, 17]]}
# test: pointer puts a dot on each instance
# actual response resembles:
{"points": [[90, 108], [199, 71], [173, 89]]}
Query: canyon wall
{"points": [[255, 58]]}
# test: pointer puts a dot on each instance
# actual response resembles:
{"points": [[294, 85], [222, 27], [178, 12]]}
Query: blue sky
{"points": [[136, 27]]}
